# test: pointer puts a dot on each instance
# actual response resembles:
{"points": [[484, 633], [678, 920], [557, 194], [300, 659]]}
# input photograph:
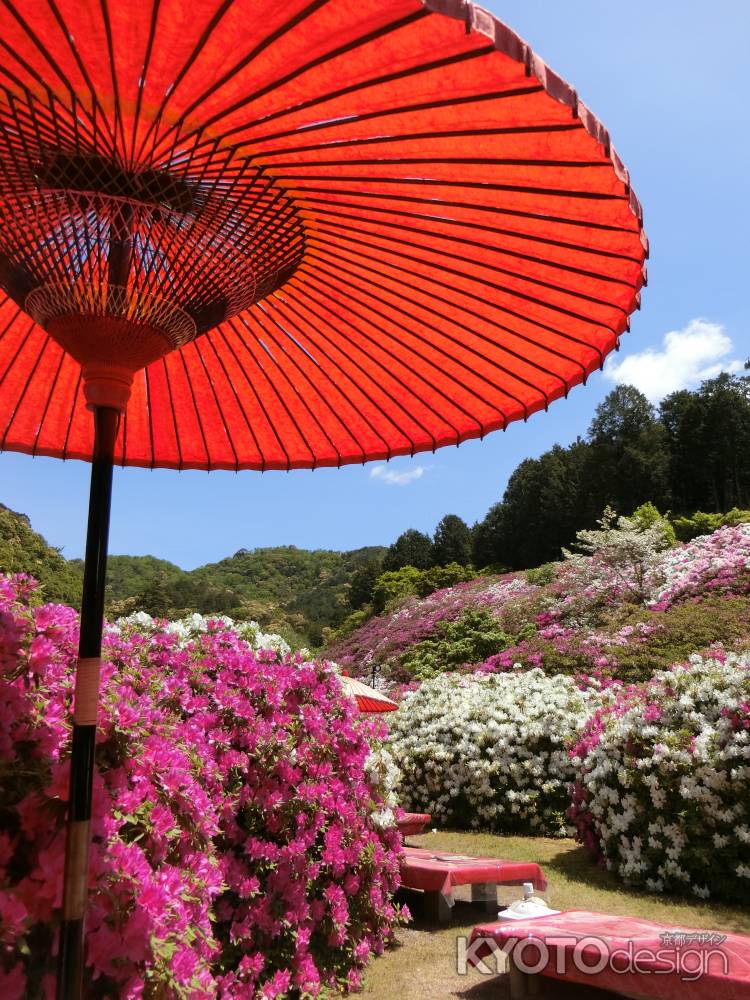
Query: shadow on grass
{"points": [[492, 988], [577, 865], [498, 988], [579, 868], [464, 913]]}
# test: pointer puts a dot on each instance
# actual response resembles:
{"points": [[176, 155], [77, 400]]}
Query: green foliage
{"points": [[471, 638], [443, 576], [628, 456], [648, 515], [540, 511], [542, 575], [348, 625], [451, 543], [395, 586], [155, 599], [687, 528], [363, 583], [313, 584], [709, 439], [412, 548], [680, 631], [659, 639], [22, 550]]}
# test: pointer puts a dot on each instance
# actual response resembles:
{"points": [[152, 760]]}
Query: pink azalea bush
{"points": [[592, 625], [662, 789], [717, 563], [239, 847], [381, 642]]}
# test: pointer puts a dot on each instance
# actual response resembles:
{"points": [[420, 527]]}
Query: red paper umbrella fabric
{"points": [[367, 698], [366, 230]]}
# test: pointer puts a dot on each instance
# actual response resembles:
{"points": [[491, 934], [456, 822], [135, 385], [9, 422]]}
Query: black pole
{"points": [[75, 886]]}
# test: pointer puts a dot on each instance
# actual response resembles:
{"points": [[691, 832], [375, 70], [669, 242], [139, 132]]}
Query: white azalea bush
{"points": [[662, 793], [490, 751]]}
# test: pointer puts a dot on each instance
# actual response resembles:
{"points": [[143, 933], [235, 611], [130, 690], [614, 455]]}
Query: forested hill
{"points": [[295, 590], [690, 457]]}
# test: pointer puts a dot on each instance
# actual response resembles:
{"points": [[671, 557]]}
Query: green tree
{"points": [[452, 542], [155, 599], [709, 436], [363, 583], [541, 507], [412, 548], [629, 458], [396, 585], [22, 550], [473, 637], [682, 418], [488, 536]]}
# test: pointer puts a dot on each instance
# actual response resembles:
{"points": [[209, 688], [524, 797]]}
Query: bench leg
{"points": [[484, 895], [438, 907], [523, 986]]}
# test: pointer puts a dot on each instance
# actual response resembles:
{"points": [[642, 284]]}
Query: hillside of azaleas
{"points": [[637, 604], [244, 836]]}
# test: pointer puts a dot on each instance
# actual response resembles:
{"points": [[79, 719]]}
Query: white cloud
{"points": [[394, 478], [699, 351]]}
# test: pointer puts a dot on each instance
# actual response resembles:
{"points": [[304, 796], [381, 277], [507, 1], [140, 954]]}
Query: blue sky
{"points": [[669, 79]]}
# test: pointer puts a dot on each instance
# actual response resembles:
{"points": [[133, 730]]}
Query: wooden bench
{"points": [[634, 958], [437, 873]]}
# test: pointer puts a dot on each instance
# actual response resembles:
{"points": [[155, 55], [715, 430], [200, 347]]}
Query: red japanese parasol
{"points": [[282, 235], [368, 699]]}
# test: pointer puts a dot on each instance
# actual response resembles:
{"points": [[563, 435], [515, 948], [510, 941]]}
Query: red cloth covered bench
{"points": [[437, 873], [412, 824], [634, 958]]}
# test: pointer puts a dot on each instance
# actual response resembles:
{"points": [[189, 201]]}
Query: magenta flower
{"points": [[233, 810]]}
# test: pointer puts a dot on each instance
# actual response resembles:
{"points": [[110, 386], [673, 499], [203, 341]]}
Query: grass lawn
{"points": [[423, 964]]}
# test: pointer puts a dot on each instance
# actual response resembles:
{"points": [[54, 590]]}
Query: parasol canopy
{"points": [[368, 699], [276, 235], [298, 234]]}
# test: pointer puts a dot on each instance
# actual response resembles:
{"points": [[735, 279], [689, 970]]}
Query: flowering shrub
{"points": [[620, 558], [717, 563], [244, 843], [490, 751], [473, 637], [630, 645], [382, 641], [193, 625], [662, 790]]}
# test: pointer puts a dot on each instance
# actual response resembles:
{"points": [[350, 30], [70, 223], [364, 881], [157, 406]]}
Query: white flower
{"points": [[687, 795], [490, 746]]}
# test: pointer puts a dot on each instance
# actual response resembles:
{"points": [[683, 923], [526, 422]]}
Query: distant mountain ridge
{"points": [[300, 591]]}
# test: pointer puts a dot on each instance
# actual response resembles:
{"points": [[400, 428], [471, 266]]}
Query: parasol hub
{"points": [[111, 331], [124, 263]]}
